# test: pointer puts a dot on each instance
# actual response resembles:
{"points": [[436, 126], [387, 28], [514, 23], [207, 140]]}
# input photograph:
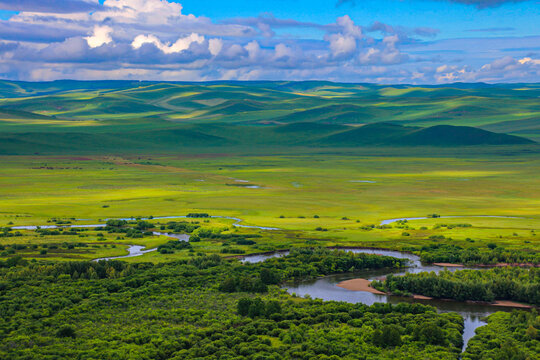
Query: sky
{"points": [[375, 41]]}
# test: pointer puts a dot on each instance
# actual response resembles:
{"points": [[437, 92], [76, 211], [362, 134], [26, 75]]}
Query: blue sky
{"points": [[453, 19], [382, 41]]}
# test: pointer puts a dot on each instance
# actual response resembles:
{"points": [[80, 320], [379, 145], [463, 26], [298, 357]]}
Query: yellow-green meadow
{"points": [[322, 199]]}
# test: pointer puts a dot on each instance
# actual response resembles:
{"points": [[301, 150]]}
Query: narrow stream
{"points": [[138, 250], [389, 221], [237, 222]]}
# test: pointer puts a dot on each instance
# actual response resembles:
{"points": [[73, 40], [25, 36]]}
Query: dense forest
{"points": [[116, 310], [509, 283]]}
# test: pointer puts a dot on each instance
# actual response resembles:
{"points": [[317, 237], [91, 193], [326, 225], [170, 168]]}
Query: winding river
{"points": [[138, 250], [326, 288]]}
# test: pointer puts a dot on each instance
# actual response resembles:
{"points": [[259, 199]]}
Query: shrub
{"points": [[66, 331]]}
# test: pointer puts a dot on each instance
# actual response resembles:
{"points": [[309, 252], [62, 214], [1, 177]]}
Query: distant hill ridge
{"points": [[139, 116], [439, 135], [226, 137]]}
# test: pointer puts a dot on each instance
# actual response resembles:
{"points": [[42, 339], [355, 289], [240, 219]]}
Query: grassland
{"points": [[296, 194], [323, 162]]}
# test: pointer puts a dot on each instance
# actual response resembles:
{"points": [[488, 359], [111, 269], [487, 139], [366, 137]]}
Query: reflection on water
{"points": [[256, 258], [180, 237], [134, 250]]}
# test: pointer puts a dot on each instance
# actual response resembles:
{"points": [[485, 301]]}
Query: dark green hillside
{"points": [[84, 106], [177, 138], [238, 106], [387, 134], [57, 143], [371, 134], [309, 128], [446, 135], [529, 128], [23, 88], [519, 125], [233, 138], [132, 142], [7, 114], [332, 113]]}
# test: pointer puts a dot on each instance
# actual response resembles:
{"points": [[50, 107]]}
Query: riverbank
{"points": [[359, 285], [524, 265], [448, 265]]}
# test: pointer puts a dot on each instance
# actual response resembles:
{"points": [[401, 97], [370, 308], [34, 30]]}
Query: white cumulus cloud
{"points": [[180, 45], [215, 46], [100, 36], [139, 11]]}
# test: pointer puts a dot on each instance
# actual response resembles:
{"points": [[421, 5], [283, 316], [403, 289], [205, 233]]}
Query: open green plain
{"points": [[297, 156], [344, 195]]}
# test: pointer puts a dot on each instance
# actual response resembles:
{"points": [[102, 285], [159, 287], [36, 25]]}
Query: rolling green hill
{"points": [[104, 116], [447, 135], [387, 134], [230, 138]]}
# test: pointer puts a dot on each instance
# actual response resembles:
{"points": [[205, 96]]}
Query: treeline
{"points": [[509, 283], [302, 263], [180, 227], [494, 254], [8, 232], [313, 262], [11, 249], [131, 229], [170, 246]]}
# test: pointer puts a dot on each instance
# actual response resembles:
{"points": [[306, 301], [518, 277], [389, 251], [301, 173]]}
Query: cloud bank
{"points": [[158, 40]]}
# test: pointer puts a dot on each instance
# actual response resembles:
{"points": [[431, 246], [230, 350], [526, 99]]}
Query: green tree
{"points": [[388, 336], [430, 333], [273, 307], [229, 285], [66, 331], [269, 277], [243, 306], [256, 308]]}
